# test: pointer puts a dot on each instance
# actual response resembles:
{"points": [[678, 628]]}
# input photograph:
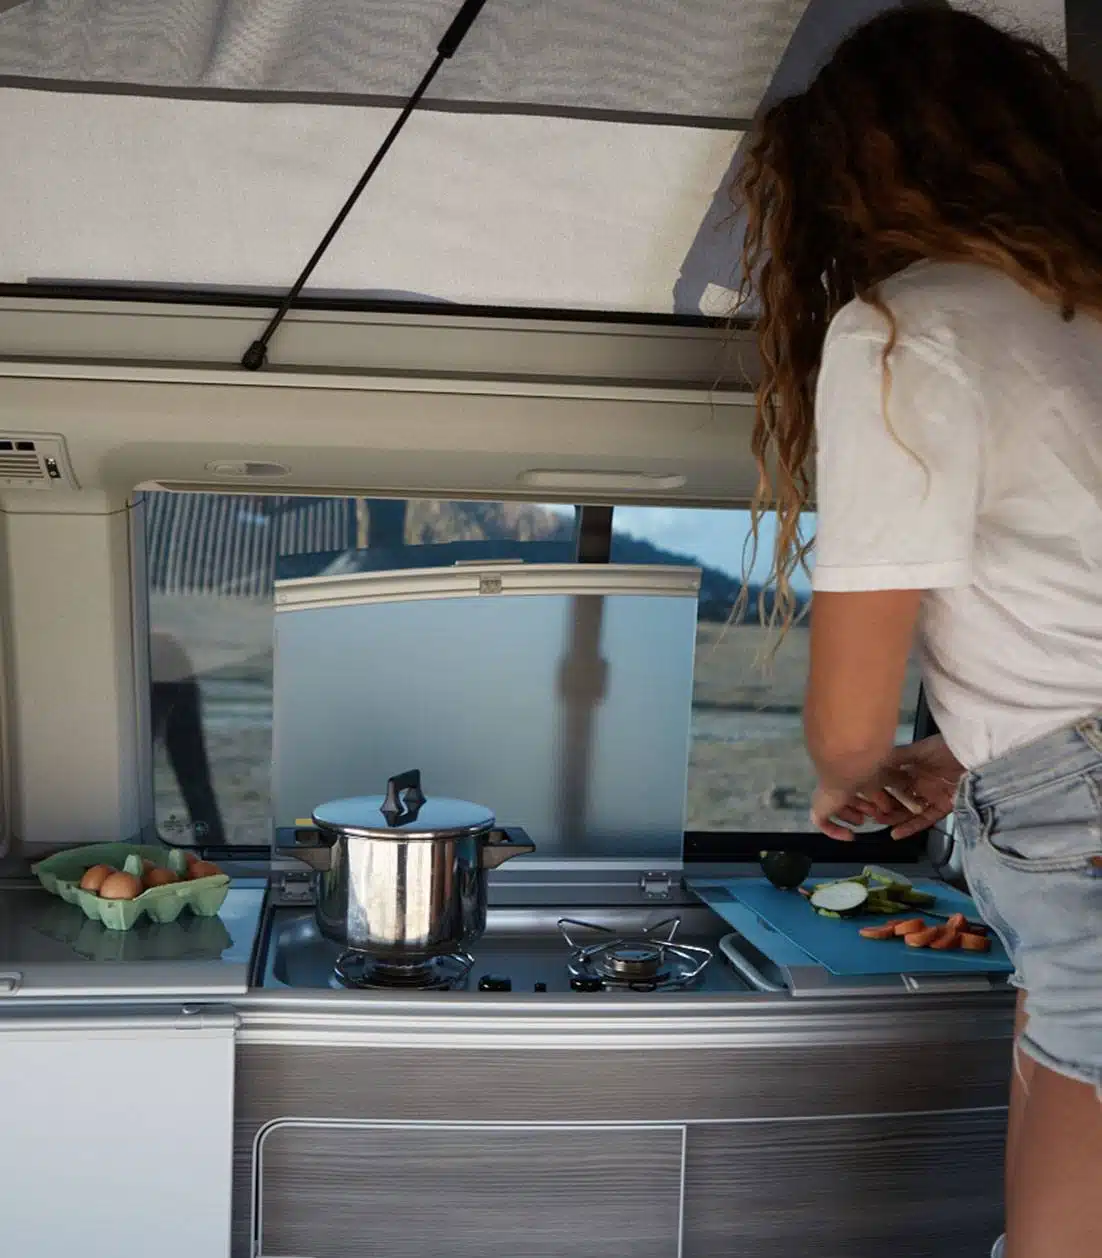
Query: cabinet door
{"points": [[116, 1135], [378, 1191], [905, 1186]]}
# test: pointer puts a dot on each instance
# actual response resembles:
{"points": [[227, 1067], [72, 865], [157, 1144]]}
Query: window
{"points": [[211, 563], [748, 770]]}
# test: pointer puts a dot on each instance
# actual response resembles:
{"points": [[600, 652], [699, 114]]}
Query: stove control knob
{"points": [[541, 987], [586, 985], [494, 983]]}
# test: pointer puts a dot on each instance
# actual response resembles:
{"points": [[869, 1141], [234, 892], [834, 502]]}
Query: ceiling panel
{"points": [[706, 59], [575, 154], [499, 211]]}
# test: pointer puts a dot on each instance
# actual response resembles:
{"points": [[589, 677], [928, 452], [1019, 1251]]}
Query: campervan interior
{"points": [[482, 514]]}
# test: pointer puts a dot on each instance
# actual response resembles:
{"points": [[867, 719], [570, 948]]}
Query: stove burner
{"points": [[361, 971], [648, 963], [632, 960]]}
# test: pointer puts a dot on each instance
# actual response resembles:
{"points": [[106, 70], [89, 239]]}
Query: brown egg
{"points": [[121, 887], [147, 865], [159, 877], [203, 869], [94, 878]]}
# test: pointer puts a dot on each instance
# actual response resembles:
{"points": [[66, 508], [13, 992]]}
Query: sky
{"points": [[711, 536]]}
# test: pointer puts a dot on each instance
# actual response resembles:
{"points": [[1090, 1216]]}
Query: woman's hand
{"points": [[838, 812], [915, 788], [830, 808], [932, 774]]}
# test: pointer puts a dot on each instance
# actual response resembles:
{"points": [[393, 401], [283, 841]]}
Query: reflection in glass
{"points": [[748, 768], [211, 560]]}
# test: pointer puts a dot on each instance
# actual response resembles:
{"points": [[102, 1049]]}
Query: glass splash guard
{"points": [[558, 695]]}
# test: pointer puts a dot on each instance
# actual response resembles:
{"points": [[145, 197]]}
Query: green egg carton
{"points": [[189, 938], [60, 875]]}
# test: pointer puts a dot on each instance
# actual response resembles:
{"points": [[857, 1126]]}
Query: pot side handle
{"points": [[311, 846], [504, 844]]}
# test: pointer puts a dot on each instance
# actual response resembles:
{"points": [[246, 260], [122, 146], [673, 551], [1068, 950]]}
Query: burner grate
{"points": [[363, 972], [652, 961]]}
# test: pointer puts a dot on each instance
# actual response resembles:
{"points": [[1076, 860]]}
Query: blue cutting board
{"points": [[836, 944]]}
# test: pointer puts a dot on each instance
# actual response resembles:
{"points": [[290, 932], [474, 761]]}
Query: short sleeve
{"points": [[898, 486]]}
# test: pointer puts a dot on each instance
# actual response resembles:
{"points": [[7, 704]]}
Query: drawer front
{"points": [[909, 1187], [364, 1190]]}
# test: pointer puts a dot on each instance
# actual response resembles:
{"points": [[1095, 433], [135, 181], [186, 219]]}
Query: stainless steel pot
{"points": [[403, 877]]}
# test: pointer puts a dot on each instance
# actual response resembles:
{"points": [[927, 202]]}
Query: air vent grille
{"points": [[23, 466], [34, 461]]}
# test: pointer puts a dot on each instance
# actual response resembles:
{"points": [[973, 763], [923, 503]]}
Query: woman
{"points": [[925, 246]]}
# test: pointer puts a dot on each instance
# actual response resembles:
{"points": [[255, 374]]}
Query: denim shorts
{"points": [[1030, 829]]}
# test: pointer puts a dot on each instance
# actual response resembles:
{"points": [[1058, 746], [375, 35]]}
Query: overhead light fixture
{"points": [[624, 482], [240, 469]]}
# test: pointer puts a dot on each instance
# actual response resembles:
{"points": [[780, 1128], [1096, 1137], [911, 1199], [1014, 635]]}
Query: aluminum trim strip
{"points": [[371, 382], [410, 585], [623, 1023], [108, 1026]]}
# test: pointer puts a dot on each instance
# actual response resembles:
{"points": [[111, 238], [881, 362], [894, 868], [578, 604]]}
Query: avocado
{"points": [[786, 870]]}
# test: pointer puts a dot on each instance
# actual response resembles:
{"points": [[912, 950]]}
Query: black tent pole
{"points": [[256, 355]]}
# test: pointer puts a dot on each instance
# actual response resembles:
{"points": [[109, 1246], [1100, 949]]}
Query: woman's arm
{"points": [[860, 644], [899, 466]]}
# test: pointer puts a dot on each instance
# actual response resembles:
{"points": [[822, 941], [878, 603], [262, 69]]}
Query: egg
{"points": [[191, 858], [159, 877], [203, 869], [94, 878], [121, 887]]}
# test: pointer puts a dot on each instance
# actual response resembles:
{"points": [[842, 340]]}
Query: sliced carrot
{"points": [[922, 938], [957, 922], [975, 943], [947, 938], [878, 932], [910, 926]]}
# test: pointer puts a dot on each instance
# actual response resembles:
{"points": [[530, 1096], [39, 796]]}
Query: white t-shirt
{"points": [[1002, 401]]}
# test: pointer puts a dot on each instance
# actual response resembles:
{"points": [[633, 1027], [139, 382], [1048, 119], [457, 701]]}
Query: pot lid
{"points": [[404, 813]]}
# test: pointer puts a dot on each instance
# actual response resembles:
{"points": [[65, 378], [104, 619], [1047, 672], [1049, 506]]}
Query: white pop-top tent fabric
{"points": [[575, 154]]}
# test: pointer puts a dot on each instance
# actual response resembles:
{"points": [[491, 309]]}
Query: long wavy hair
{"points": [[930, 134]]}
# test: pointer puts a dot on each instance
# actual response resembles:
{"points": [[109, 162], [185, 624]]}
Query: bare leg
{"points": [[1055, 1210], [1021, 1081]]}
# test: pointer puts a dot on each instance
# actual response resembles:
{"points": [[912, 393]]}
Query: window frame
{"points": [[594, 525]]}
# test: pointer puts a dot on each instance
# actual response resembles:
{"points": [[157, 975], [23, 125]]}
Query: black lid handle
{"points": [[404, 798]]}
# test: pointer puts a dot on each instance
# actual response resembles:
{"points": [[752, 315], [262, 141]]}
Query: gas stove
{"points": [[640, 950], [645, 961]]}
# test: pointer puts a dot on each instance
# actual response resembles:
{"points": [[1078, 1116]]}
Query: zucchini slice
{"points": [[843, 898]]}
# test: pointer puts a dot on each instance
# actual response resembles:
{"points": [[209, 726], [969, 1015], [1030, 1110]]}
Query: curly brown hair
{"points": [[930, 134]]}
